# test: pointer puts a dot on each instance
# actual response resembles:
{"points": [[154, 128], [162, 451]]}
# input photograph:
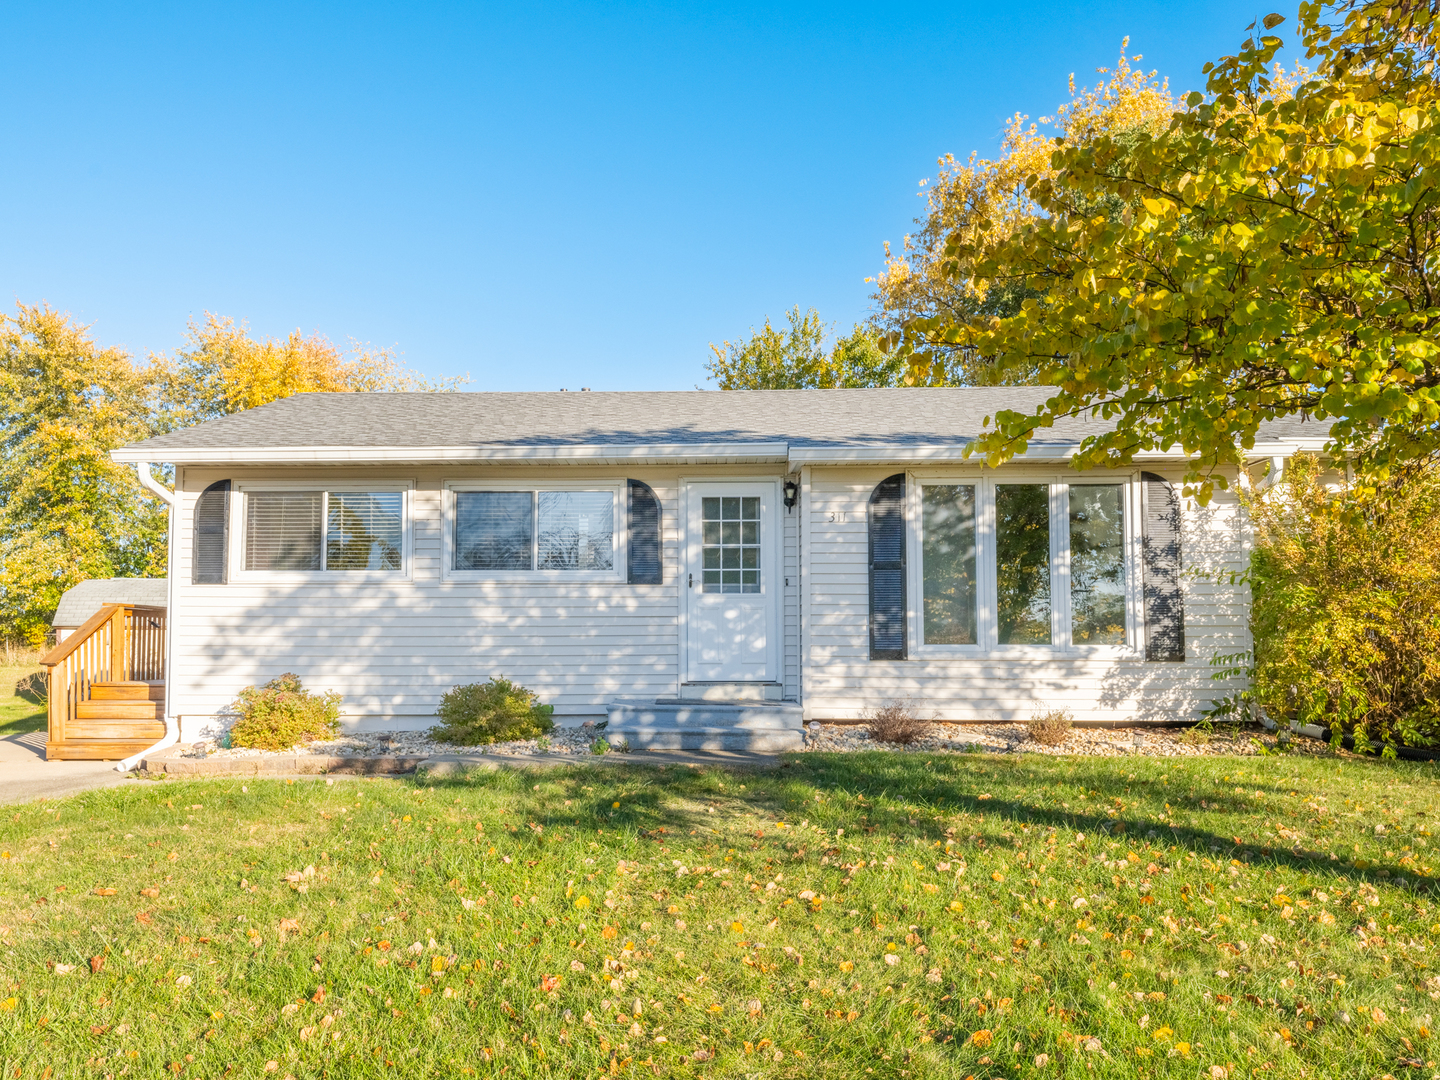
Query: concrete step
{"points": [[679, 724], [732, 692]]}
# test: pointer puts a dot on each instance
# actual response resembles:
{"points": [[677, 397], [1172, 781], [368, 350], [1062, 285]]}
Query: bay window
{"points": [[1029, 565]]}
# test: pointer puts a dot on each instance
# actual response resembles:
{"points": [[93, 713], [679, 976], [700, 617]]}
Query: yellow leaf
{"points": [[437, 964], [737, 927], [8, 1005]]}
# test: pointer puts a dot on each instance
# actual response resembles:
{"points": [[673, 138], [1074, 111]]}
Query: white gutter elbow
{"points": [[142, 470], [172, 736], [172, 724]]}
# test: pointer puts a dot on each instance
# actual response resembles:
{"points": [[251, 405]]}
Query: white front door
{"points": [[731, 562]]}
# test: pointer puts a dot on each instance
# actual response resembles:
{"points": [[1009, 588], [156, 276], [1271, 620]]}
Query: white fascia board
{"points": [[901, 454], [680, 453]]}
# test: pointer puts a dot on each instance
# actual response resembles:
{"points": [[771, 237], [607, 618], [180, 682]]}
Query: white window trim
{"points": [[987, 631], [616, 488], [238, 508]]}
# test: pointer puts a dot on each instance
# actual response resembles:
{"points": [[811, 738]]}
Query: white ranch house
{"points": [[703, 569]]}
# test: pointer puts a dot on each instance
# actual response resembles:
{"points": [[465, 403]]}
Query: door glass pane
{"points": [[494, 530], [577, 530], [948, 563], [1022, 563], [282, 530], [1097, 565], [363, 530], [730, 544]]}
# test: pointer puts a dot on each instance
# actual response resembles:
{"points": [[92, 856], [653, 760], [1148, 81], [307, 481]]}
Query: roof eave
{"points": [[768, 453], [676, 453]]}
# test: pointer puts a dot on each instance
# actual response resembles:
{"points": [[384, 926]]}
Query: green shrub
{"points": [[1346, 613], [282, 714], [496, 711]]}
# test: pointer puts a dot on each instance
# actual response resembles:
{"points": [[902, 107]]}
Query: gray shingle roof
{"points": [[81, 601], [929, 416]]}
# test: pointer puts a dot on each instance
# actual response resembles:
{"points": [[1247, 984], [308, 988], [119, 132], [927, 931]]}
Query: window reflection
{"points": [[948, 562], [1022, 563], [1097, 565]]}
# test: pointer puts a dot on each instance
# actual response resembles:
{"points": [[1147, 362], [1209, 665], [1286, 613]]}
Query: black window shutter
{"points": [[1160, 539], [643, 547], [887, 569], [211, 529]]}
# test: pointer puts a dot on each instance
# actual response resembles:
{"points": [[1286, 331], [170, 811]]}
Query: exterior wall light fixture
{"points": [[792, 492]]}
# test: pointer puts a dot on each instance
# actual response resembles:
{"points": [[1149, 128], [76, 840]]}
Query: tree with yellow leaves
{"points": [[985, 200], [1272, 253], [799, 358], [67, 512], [222, 369]]}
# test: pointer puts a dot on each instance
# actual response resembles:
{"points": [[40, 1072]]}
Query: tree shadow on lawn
{"points": [[965, 799], [985, 786]]}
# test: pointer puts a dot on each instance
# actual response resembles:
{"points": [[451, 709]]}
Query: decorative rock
{"points": [[1013, 738], [391, 744]]}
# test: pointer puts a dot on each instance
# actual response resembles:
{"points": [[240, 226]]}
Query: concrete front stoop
{"points": [[694, 724]]}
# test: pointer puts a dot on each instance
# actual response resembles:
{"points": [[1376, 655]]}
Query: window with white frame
{"points": [[1022, 563], [533, 530], [294, 531]]}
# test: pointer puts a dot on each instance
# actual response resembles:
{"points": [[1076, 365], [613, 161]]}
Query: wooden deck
{"points": [[107, 685]]}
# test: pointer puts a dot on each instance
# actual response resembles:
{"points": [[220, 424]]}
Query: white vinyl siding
{"points": [[392, 646], [842, 682]]}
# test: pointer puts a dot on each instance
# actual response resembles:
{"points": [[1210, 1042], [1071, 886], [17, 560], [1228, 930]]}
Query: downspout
{"points": [[172, 723]]}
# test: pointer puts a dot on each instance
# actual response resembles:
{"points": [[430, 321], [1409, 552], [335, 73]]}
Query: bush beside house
{"points": [[1346, 610], [282, 714], [497, 711]]}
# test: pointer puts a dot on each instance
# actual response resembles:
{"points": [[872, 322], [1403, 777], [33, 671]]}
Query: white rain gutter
{"points": [[172, 724]]}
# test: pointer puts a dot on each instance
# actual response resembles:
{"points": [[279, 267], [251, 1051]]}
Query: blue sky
{"points": [[542, 196]]}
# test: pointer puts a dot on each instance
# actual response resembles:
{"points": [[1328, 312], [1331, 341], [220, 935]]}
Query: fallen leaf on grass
{"points": [[97, 964], [102, 891], [150, 892]]}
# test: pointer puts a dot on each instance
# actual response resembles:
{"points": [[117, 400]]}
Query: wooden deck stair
{"points": [[107, 685]]}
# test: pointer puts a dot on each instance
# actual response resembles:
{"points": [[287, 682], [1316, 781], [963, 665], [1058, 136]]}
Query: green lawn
{"points": [[18, 713], [845, 916]]}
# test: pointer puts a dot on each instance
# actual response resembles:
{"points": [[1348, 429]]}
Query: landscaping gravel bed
{"points": [[374, 744], [819, 738], [1093, 742]]}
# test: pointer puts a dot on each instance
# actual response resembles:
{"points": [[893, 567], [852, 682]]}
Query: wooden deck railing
{"points": [[119, 643]]}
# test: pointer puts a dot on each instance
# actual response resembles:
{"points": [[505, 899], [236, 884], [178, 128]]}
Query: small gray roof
{"points": [[908, 416], [83, 600]]}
